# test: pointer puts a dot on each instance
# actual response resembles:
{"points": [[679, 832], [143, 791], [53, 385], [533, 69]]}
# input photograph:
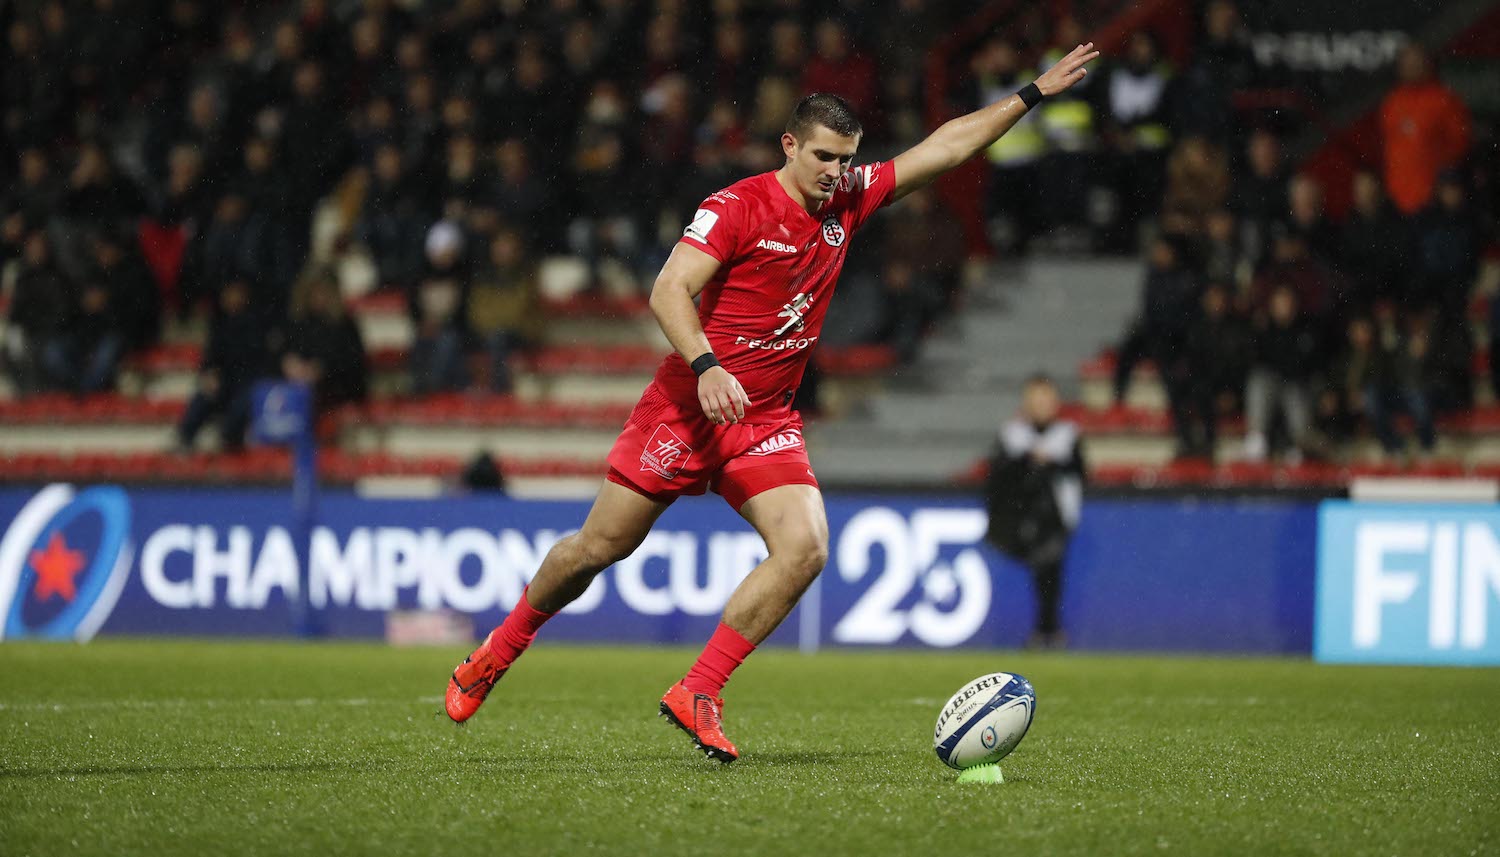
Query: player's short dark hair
{"points": [[1039, 379], [827, 110]]}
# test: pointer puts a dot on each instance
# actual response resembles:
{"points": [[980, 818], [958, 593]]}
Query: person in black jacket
{"points": [[1034, 496], [323, 348], [235, 356], [1375, 248], [41, 313], [1168, 298], [1284, 350], [1216, 353], [119, 267]]}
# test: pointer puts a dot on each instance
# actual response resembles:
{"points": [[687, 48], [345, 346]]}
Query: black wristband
{"points": [[1030, 95], [704, 362]]}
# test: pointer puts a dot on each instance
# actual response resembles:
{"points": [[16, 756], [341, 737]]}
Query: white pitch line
{"points": [[107, 704]]}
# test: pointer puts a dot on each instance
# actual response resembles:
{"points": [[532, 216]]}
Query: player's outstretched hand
{"points": [[722, 397], [1068, 71]]}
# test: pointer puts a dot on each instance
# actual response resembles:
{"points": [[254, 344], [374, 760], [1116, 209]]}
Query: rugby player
{"points": [[760, 258]]}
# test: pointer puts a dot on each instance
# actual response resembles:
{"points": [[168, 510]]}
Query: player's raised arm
{"points": [[684, 275], [957, 140]]}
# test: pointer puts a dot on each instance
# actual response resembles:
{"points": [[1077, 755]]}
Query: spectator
{"points": [[1012, 206], [93, 197], [1305, 217], [464, 182], [1448, 241], [1318, 288], [536, 102], [1374, 248], [838, 66], [733, 74], [135, 304], [177, 212], [1341, 402], [235, 356], [224, 251], [665, 144], [1400, 382], [1425, 128], [1198, 184], [322, 346], [271, 250], [1223, 253], [483, 473], [923, 258], [1168, 300], [1494, 330], [35, 194], [97, 337], [1068, 123], [391, 220], [1137, 97], [40, 318], [524, 198], [502, 305], [437, 309], [1260, 195], [606, 233], [788, 54], [1034, 496], [1222, 63], [1215, 351], [1283, 347]]}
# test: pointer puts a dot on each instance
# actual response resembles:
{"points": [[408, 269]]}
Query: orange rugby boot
{"points": [[472, 682], [699, 715]]}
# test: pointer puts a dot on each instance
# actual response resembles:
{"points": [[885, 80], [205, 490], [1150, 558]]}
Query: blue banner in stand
{"points": [[1416, 584], [902, 571]]}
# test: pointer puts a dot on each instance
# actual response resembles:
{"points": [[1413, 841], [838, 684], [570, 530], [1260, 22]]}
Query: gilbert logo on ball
{"points": [[63, 562], [984, 720]]}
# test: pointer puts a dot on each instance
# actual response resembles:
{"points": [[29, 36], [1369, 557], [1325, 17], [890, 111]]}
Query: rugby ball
{"points": [[984, 721]]}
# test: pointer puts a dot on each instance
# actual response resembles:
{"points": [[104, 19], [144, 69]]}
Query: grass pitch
{"points": [[152, 747]]}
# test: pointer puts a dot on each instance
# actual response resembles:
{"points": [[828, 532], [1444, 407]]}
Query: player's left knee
{"points": [[808, 554]]}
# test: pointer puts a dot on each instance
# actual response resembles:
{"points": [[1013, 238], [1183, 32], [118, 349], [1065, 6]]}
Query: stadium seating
{"points": [[572, 395]]}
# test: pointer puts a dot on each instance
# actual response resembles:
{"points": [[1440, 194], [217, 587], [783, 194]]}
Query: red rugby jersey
{"points": [[763, 310]]}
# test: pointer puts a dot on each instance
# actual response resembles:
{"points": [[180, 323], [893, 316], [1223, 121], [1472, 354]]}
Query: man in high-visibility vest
{"points": [[1069, 128], [1015, 157]]}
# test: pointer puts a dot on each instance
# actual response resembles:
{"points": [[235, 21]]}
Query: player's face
{"points": [[818, 162]]}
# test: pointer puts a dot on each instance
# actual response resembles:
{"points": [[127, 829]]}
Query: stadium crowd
{"points": [[1254, 301], [171, 158]]}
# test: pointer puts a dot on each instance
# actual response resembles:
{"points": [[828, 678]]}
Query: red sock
{"points": [[517, 631], [726, 650]]}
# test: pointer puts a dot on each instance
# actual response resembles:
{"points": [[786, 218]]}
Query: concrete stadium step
{"points": [[938, 414]]}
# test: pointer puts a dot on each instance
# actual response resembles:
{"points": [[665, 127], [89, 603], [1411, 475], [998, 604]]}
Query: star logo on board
{"points": [[56, 568]]}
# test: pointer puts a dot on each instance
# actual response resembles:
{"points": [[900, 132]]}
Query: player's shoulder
{"points": [[748, 191], [865, 177]]}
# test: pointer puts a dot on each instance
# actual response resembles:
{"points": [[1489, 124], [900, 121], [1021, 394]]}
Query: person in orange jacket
{"points": [[1425, 127]]}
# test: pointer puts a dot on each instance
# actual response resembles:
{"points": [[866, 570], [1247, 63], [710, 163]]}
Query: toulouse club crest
{"points": [[833, 231], [63, 563]]}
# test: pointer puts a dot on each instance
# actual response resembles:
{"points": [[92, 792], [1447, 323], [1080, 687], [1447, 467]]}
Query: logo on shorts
{"points": [[833, 231], [665, 453], [789, 439]]}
